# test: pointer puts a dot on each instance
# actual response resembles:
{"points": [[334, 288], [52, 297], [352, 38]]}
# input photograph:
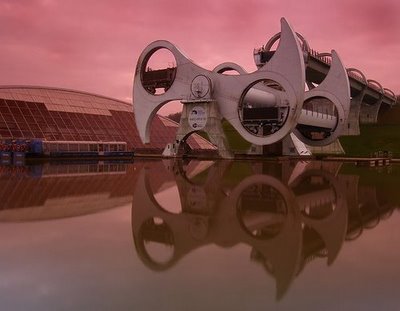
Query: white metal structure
{"points": [[264, 106]]}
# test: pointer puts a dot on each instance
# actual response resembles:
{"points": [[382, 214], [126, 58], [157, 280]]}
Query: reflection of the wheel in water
{"points": [[156, 241], [317, 194], [262, 210]]}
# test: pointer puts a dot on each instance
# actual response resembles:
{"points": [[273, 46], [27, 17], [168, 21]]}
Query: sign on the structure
{"points": [[197, 118]]}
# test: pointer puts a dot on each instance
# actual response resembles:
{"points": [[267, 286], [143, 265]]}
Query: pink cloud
{"points": [[94, 45]]}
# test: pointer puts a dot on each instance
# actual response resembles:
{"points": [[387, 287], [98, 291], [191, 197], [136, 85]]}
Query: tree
{"points": [[175, 116]]}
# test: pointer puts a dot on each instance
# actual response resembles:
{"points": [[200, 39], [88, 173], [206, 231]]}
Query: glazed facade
{"points": [[53, 114]]}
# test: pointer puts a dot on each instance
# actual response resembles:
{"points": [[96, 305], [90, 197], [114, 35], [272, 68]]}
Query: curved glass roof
{"points": [[28, 112]]}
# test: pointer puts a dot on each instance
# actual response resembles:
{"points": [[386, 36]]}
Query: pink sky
{"points": [[93, 45]]}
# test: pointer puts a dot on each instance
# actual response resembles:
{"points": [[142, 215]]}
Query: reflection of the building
{"points": [[57, 190], [289, 213], [50, 191]]}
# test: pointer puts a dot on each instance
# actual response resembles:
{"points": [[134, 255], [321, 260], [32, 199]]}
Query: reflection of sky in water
{"points": [[169, 199], [90, 263]]}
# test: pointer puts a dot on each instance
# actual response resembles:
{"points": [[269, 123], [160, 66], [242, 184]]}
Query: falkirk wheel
{"points": [[266, 107]]}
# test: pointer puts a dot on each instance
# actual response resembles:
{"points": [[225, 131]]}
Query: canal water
{"points": [[199, 235]]}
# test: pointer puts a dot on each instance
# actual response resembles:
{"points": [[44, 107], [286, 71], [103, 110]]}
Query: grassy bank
{"points": [[383, 136], [374, 137]]}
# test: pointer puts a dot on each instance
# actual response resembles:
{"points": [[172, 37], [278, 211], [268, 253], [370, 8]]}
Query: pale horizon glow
{"points": [[93, 46]]}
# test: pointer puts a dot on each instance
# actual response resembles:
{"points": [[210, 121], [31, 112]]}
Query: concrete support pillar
{"points": [[255, 150], [206, 117], [353, 122], [369, 113]]}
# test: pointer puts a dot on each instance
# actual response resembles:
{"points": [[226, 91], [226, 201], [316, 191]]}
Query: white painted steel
{"points": [[313, 118], [286, 68], [336, 88]]}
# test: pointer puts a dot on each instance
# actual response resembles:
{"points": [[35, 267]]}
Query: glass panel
{"points": [[63, 147], [5, 133], [52, 147], [73, 147], [19, 118], [11, 103], [68, 137], [16, 133], [37, 134], [12, 125], [28, 117], [40, 120], [8, 117], [85, 137], [22, 105], [4, 108], [58, 136], [3, 125], [34, 127], [83, 147], [27, 134]]}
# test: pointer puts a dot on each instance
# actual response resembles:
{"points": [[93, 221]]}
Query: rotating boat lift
{"points": [[266, 107]]}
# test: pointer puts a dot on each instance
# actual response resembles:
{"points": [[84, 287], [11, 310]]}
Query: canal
{"points": [[199, 235]]}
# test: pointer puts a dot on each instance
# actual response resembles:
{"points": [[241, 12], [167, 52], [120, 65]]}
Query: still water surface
{"points": [[200, 235]]}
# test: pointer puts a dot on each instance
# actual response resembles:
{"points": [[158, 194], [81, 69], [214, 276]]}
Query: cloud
{"points": [[94, 45]]}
